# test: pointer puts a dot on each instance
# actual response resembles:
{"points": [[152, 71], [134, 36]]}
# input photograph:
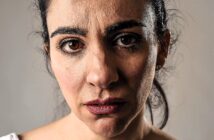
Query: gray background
{"points": [[28, 93]]}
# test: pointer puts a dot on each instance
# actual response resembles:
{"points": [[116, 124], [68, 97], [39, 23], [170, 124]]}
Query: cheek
{"points": [[133, 69], [140, 73], [68, 76], [147, 76], [134, 73]]}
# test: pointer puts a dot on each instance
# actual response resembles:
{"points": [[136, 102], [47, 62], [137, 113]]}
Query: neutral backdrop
{"points": [[28, 93]]}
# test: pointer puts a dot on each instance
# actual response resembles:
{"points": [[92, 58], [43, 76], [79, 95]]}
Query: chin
{"points": [[109, 127]]}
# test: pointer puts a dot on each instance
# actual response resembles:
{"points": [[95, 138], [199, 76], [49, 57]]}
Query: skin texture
{"points": [[99, 65]]}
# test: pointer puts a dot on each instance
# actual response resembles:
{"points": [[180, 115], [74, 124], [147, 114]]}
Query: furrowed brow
{"points": [[123, 25], [69, 30]]}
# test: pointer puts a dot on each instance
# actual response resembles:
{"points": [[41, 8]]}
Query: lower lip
{"points": [[104, 109]]}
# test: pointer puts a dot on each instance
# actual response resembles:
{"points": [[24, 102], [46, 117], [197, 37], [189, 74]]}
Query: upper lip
{"points": [[107, 101]]}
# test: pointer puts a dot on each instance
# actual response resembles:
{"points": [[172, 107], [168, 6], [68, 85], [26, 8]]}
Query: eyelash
{"points": [[134, 40], [63, 44]]}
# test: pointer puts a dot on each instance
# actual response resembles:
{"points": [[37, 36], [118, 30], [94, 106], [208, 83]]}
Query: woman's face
{"points": [[103, 54]]}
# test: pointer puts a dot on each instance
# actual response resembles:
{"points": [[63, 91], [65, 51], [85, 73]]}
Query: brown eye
{"points": [[126, 40], [71, 45]]}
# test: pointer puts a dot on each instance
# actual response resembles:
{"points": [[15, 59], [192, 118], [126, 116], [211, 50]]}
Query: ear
{"points": [[163, 49], [46, 49]]}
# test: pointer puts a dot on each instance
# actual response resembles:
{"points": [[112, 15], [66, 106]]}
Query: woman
{"points": [[104, 55]]}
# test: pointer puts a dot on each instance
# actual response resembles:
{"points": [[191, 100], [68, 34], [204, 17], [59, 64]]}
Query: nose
{"points": [[102, 72]]}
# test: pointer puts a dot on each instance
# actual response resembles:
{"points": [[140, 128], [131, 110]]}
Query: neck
{"points": [[76, 129]]}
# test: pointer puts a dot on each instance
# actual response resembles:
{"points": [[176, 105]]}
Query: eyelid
{"points": [[61, 42], [69, 37], [137, 36], [66, 39], [120, 34]]}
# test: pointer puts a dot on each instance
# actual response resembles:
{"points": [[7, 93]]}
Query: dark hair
{"points": [[158, 97]]}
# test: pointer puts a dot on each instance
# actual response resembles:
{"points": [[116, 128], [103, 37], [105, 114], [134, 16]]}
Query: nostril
{"points": [[91, 84], [113, 85], [103, 80]]}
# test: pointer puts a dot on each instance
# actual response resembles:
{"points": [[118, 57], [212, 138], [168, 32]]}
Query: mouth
{"points": [[107, 106]]}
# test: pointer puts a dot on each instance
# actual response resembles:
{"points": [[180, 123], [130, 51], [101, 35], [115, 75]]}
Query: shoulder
{"points": [[11, 136], [48, 131], [157, 134], [38, 133]]}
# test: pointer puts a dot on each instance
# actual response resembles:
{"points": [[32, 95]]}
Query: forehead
{"points": [[85, 13]]}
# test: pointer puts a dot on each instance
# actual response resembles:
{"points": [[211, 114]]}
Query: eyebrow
{"points": [[123, 25], [69, 30], [109, 30]]}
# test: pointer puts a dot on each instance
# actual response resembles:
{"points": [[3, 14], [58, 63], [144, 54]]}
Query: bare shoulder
{"points": [[44, 132], [157, 134], [36, 134]]}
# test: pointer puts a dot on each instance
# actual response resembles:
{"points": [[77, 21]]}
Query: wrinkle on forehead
{"points": [[68, 13], [116, 10], [97, 13]]}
